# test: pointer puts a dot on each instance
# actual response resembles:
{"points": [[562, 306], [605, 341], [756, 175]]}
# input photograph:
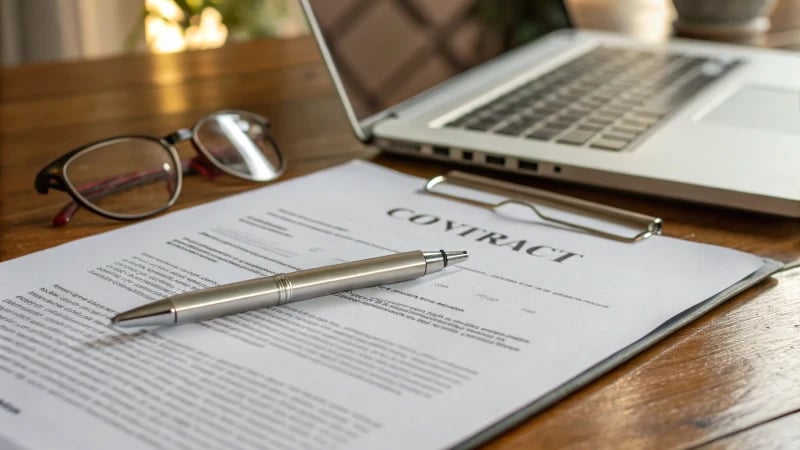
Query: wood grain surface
{"points": [[729, 380]]}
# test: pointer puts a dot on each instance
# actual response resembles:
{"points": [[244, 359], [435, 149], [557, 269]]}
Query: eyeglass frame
{"points": [[52, 175]]}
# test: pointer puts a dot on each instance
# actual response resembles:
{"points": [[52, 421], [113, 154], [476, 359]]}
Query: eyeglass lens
{"points": [[239, 144], [127, 177]]}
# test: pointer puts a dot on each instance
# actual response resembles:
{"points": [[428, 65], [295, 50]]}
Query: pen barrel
{"points": [[305, 284], [301, 285], [226, 299]]}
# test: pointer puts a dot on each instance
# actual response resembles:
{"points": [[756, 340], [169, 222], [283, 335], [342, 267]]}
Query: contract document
{"points": [[447, 360]]}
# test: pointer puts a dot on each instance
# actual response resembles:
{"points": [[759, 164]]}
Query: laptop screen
{"points": [[387, 51]]}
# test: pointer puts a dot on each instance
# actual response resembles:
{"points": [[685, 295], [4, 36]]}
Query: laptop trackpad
{"points": [[762, 108]]}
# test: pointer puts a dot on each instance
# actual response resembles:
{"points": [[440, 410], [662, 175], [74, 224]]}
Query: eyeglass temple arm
{"points": [[117, 183]]}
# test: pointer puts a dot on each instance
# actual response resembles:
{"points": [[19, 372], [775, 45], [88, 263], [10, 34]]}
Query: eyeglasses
{"points": [[134, 176]]}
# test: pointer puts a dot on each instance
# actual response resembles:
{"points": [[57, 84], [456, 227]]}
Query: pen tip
{"points": [[454, 257], [152, 314]]}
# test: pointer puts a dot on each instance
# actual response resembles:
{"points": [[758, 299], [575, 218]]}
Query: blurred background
{"points": [[52, 30], [49, 30]]}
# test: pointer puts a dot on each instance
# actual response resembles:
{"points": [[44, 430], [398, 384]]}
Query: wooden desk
{"points": [[731, 379]]}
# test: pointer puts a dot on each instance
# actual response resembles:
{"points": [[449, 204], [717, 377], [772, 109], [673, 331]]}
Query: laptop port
{"points": [[404, 146], [467, 156], [528, 165], [441, 151], [497, 160]]}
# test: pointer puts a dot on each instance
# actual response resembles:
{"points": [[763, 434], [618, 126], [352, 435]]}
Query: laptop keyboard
{"points": [[604, 99]]}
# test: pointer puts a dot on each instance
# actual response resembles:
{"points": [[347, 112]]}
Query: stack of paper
{"points": [[446, 360]]}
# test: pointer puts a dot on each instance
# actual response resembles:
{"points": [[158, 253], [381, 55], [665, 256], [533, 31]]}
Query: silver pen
{"points": [[285, 288]]}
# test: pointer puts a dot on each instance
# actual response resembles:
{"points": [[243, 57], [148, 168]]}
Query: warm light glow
{"points": [[164, 8], [164, 34], [209, 33]]}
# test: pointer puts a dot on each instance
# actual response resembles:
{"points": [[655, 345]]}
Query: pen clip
{"points": [[598, 219]]}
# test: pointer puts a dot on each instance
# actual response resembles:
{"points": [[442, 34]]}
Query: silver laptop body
{"points": [[693, 120]]}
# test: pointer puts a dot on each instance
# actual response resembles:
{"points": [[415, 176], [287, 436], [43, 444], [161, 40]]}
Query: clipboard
{"points": [[556, 209]]}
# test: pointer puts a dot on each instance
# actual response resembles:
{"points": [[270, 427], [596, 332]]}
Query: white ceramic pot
{"points": [[723, 19]]}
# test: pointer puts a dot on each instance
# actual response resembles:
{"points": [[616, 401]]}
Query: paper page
{"points": [[420, 364]]}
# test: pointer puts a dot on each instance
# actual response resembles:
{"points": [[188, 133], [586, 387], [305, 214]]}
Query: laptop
{"points": [[514, 87]]}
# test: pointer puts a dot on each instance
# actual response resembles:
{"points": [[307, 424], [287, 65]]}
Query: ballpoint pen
{"points": [[285, 288]]}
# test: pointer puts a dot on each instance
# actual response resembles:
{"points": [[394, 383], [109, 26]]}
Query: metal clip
{"points": [[598, 219]]}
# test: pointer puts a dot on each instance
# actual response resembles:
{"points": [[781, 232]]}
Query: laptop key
{"points": [[544, 134], [546, 108], [638, 125], [569, 117], [557, 124], [625, 129], [619, 136], [530, 123], [577, 110], [612, 110], [481, 125], [644, 117], [590, 127], [576, 137], [600, 120], [609, 144], [532, 114], [513, 129]]}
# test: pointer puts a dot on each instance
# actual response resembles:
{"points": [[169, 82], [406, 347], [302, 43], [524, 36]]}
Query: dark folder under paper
{"points": [[555, 209]]}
